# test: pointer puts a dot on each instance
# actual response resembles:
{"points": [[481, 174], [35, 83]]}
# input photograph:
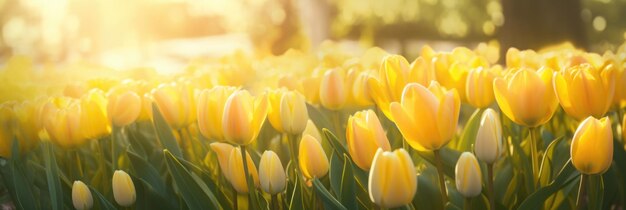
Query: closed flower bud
{"points": [[427, 117], [243, 117], [123, 189], [123, 109], [360, 92], [273, 113], [392, 179], [313, 160], [271, 173], [211, 104], [222, 150], [519, 89], [592, 146], [332, 90], [479, 87], [488, 145], [176, 103], [63, 124], [293, 113], [364, 136], [81, 196], [93, 115], [311, 129], [237, 173], [585, 91], [468, 175]]}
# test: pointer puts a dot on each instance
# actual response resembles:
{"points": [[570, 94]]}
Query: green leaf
{"points": [[296, 193], [149, 198], [536, 200], [595, 191], [545, 172], [329, 201], [147, 172], [468, 137], [342, 180], [101, 200], [164, 132], [191, 192], [52, 176], [15, 178], [334, 141]]}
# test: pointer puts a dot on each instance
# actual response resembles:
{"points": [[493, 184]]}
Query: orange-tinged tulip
{"points": [[123, 109], [526, 96], [585, 91], [236, 171], [222, 151], [333, 90], [211, 103], [243, 117], [479, 87], [313, 160], [81, 196], [468, 176], [176, 103], [123, 189], [94, 122], [392, 179], [271, 173], [364, 136], [592, 146], [427, 117]]}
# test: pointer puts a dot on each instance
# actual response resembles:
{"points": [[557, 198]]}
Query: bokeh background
{"points": [[166, 34]]}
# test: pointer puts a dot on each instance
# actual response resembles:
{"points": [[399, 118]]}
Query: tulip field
{"points": [[330, 129]]}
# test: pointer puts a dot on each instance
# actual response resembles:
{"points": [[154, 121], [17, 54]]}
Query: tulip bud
{"points": [[468, 175], [364, 136], [236, 171], [93, 115], [63, 124], [332, 90], [311, 129], [211, 104], [584, 90], [427, 117], [81, 196], [359, 90], [293, 113], [273, 113], [479, 87], [223, 156], [243, 117], [392, 179], [313, 160], [488, 145], [123, 189], [592, 146], [176, 103], [271, 173], [123, 109]]}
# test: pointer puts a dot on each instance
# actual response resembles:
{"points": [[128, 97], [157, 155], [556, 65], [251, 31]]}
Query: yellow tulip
{"points": [[311, 129], [312, 158], [28, 127], [271, 173], [293, 113], [333, 90], [427, 117], [526, 96], [360, 92], [236, 171], [146, 108], [392, 179], [243, 117], [176, 103], [393, 75], [488, 145], [468, 176], [124, 109], [479, 87], [619, 97], [63, 124], [364, 136], [273, 113], [93, 115], [211, 104], [123, 189], [585, 91], [7, 126], [222, 150], [422, 71], [81, 196], [592, 146]]}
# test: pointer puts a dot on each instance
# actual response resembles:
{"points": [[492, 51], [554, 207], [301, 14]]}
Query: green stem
{"points": [[492, 196], [113, 153], [534, 155], [581, 191], [293, 142], [79, 165], [235, 206], [337, 123], [274, 202], [467, 204], [442, 182], [245, 168]]}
